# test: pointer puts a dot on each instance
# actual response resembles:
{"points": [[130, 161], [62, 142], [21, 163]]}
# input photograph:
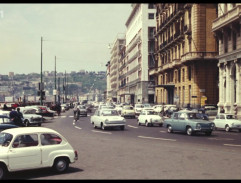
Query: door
{"points": [[25, 152]]}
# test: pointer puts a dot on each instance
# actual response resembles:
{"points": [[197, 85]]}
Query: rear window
{"points": [[50, 139]]}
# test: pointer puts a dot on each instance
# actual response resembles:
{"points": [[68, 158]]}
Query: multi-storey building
{"points": [[114, 66], [134, 79], [227, 31], [186, 69]]}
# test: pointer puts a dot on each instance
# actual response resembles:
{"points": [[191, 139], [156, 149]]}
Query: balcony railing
{"points": [[221, 21], [198, 55]]}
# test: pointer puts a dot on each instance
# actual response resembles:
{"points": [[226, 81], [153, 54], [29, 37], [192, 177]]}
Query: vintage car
{"points": [[107, 118], [158, 108], [128, 111], [189, 122], [6, 123], [227, 122], [34, 147], [138, 108], [149, 117], [82, 110], [30, 117]]}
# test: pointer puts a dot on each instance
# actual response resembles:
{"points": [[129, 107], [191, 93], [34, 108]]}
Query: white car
{"points": [[30, 117], [158, 108], [32, 148], [107, 118], [138, 108], [149, 117], [227, 122]]}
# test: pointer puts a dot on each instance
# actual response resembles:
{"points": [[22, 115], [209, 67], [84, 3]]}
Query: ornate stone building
{"points": [[186, 69], [227, 31]]}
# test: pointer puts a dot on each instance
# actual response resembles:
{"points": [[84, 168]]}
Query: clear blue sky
{"points": [[77, 34]]}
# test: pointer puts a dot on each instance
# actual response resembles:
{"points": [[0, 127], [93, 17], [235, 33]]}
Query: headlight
{"points": [[31, 119], [106, 121], [198, 126], [232, 124], [124, 120]]}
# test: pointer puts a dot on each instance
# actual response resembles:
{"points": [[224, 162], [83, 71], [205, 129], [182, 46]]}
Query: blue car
{"points": [[6, 123], [188, 122]]}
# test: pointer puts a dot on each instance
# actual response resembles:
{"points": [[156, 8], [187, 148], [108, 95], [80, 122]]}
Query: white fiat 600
{"points": [[34, 147]]}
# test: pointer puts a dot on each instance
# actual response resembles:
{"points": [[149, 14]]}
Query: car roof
{"points": [[29, 130]]}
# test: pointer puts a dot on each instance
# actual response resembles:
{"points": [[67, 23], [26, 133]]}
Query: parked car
{"points": [[6, 123], [147, 106], [149, 118], [138, 108], [34, 147], [128, 111], [210, 110], [227, 122], [107, 118], [82, 110], [119, 108], [158, 108], [189, 122], [30, 117]]}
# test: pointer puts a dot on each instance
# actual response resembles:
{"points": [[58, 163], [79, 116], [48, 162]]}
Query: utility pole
{"points": [[55, 97], [41, 75]]}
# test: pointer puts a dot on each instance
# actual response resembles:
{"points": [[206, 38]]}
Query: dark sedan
{"points": [[6, 123]]}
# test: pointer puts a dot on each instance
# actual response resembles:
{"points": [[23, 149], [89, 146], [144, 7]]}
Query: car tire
{"points": [[227, 128], [61, 165], [147, 124], [27, 123], [189, 131], [102, 126], [169, 129], [94, 125], [3, 172]]}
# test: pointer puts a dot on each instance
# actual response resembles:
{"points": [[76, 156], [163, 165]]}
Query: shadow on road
{"points": [[39, 173]]}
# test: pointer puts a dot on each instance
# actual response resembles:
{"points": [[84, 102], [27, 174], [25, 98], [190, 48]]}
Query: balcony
{"points": [[227, 18], [198, 55]]}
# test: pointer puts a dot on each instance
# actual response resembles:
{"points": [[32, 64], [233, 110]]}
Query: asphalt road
{"points": [[141, 152]]}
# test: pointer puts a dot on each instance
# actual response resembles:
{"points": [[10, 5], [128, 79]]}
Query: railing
{"points": [[198, 55], [221, 20]]}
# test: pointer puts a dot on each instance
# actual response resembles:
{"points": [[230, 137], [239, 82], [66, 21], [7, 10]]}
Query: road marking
{"points": [[78, 127], [156, 138], [234, 145], [101, 132], [132, 126], [163, 131], [220, 139], [63, 116], [71, 116]]}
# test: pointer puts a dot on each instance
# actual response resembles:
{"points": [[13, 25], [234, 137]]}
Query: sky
{"points": [[77, 34]]}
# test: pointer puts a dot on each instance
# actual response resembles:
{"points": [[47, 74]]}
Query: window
{"points": [[50, 139], [151, 16], [25, 141], [151, 6], [189, 73], [222, 117]]}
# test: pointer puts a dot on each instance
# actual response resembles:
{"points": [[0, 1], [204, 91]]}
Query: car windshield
{"points": [[230, 117], [5, 139], [139, 106], [147, 105], [110, 113], [194, 116], [81, 107], [128, 108]]}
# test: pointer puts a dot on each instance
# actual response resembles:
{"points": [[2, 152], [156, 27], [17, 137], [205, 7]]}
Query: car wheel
{"points": [[227, 128], [61, 165], [169, 129], [189, 131], [102, 126], [3, 172], [147, 124], [27, 123], [94, 125]]}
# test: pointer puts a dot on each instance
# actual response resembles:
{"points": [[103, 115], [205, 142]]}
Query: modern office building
{"points": [[186, 69]]}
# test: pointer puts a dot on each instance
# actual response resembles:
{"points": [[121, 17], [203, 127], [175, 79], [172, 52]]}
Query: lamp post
{"points": [[41, 75]]}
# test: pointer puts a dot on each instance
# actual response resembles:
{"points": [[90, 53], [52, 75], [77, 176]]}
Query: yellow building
{"points": [[186, 69]]}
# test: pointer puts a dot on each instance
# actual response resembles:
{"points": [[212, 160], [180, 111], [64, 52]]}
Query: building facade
{"points": [[227, 31], [139, 50], [186, 65]]}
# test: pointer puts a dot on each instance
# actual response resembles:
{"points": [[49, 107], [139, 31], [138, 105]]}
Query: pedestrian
{"points": [[5, 108], [20, 115], [14, 116], [235, 110], [222, 110]]}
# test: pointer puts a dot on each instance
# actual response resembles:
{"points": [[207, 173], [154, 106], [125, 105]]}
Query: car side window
{"points": [[175, 116], [28, 140], [50, 139], [182, 116]]}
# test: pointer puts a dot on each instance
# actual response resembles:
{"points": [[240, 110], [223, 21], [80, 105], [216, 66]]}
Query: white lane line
{"points": [[220, 139], [156, 138], [132, 126], [163, 131], [101, 132], [63, 116], [234, 145], [71, 116], [78, 127]]}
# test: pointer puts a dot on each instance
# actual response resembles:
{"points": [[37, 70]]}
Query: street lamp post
{"points": [[41, 75]]}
